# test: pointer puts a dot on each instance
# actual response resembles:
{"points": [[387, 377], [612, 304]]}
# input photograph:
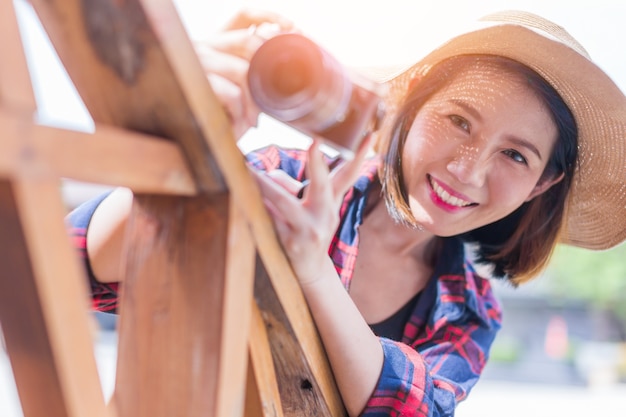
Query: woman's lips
{"points": [[444, 197]]}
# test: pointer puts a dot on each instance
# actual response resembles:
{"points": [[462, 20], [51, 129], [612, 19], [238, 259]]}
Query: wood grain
{"points": [[262, 393], [135, 69], [183, 326], [124, 77], [16, 91], [298, 382], [44, 305], [109, 156]]}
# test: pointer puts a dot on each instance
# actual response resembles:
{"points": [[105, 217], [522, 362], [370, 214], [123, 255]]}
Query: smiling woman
{"points": [[452, 130], [479, 145]]}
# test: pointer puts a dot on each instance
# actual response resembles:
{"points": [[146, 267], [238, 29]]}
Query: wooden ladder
{"points": [[212, 320]]}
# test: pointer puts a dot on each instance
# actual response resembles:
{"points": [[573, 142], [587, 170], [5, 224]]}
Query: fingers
{"points": [[223, 64], [249, 17], [242, 43], [248, 30], [281, 201], [317, 172], [323, 193], [226, 59], [227, 75], [283, 179], [344, 176], [240, 115], [333, 185]]}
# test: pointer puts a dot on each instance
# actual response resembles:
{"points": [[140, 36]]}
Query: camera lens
{"points": [[291, 76], [293, 80], [298, 83]]}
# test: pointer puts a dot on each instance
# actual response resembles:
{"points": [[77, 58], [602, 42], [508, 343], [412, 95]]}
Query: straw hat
{"points": [[596, 212]]}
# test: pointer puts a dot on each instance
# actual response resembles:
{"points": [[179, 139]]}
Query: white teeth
{"points": [[446, 197]]}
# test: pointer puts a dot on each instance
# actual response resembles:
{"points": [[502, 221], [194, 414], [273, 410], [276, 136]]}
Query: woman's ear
{"points": [[543, 186]]}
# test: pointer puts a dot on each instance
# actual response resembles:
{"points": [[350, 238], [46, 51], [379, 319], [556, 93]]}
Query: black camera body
{"points": [[298, 83]]}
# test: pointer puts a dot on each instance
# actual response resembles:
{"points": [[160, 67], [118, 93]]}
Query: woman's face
{"points": [[476, 151]]}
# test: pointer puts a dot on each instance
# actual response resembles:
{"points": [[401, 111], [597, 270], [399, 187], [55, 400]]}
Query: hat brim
{"points": [[596, 212]]}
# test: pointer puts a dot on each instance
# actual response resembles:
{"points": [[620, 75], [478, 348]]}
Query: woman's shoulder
{"points": [[480, 294], [465, 287]]}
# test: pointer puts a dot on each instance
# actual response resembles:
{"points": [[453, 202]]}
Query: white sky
{"points": [[365, 32], [357, 32]]}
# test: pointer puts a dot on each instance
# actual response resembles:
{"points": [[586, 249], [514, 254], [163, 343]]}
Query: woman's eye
{"points": [[516, 156], [460, 122]]}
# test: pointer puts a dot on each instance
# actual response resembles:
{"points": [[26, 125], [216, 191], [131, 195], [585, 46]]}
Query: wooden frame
{"points": [[212, 320]]}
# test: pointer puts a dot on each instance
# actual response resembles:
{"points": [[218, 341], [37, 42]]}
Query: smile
{"points": [[446, 197]]}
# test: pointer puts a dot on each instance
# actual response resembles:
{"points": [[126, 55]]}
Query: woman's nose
{"points": [[469, 166]]}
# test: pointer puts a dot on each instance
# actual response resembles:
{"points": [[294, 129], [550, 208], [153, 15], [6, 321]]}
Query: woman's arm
{"points": [[105, 236], [436, 366], [355, 353], [305, 227], [428, 376], [98, 226], [104, 295]]}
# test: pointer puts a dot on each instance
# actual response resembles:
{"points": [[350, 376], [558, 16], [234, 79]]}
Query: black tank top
{"points": [[393, 326]]}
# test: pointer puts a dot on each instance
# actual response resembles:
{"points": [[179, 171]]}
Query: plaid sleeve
{"points": [[104, 296], [291, 161], [430, 377]]}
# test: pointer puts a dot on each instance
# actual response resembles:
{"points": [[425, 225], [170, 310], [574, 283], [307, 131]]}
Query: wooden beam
{"points": [[301, 382], [16, 91], [44, 305], [143, 74], [237, 302], [109, 156], [262, 393], [185, 312], [124, 77], [247, 196]]}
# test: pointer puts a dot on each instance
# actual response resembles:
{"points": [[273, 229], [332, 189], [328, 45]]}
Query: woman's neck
{"points": [[394, 263], [398, 238]]}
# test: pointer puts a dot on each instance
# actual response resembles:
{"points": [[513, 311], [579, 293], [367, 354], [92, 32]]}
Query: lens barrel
{"points": [[296, 82]]}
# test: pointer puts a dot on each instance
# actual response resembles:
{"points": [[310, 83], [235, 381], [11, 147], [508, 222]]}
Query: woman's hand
{"points": [[226, 58], [306, 226]]}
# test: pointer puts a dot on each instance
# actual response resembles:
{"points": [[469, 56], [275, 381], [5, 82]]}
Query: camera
{"points": [[298, 83]]}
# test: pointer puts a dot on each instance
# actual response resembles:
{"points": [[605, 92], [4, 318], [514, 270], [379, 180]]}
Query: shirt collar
{"points": [[455, 288]]}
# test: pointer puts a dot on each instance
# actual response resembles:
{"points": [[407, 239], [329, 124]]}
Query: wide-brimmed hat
{"points": [[596, 212]]}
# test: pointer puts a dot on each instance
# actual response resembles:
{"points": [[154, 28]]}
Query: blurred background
{"points": [[562, 350]]}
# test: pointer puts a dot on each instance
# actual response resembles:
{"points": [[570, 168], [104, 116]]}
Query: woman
{"points": [[498, 145]]}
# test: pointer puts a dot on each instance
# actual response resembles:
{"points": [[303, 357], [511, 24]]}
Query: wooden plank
{"points": [[109, 156], [185, 310], [16, 91], [284, 299], [246, 194], [209, 119], [298, 381], [237, 301], [118, 66], [44, 305], [262, 394]]}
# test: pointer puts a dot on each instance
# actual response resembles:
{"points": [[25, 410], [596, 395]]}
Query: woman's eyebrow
{"points": [[467, 107], [525, 144]]}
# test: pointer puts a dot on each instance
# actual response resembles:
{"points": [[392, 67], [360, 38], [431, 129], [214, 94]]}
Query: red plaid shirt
{"points": [[104, 296], [446, 341]]}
